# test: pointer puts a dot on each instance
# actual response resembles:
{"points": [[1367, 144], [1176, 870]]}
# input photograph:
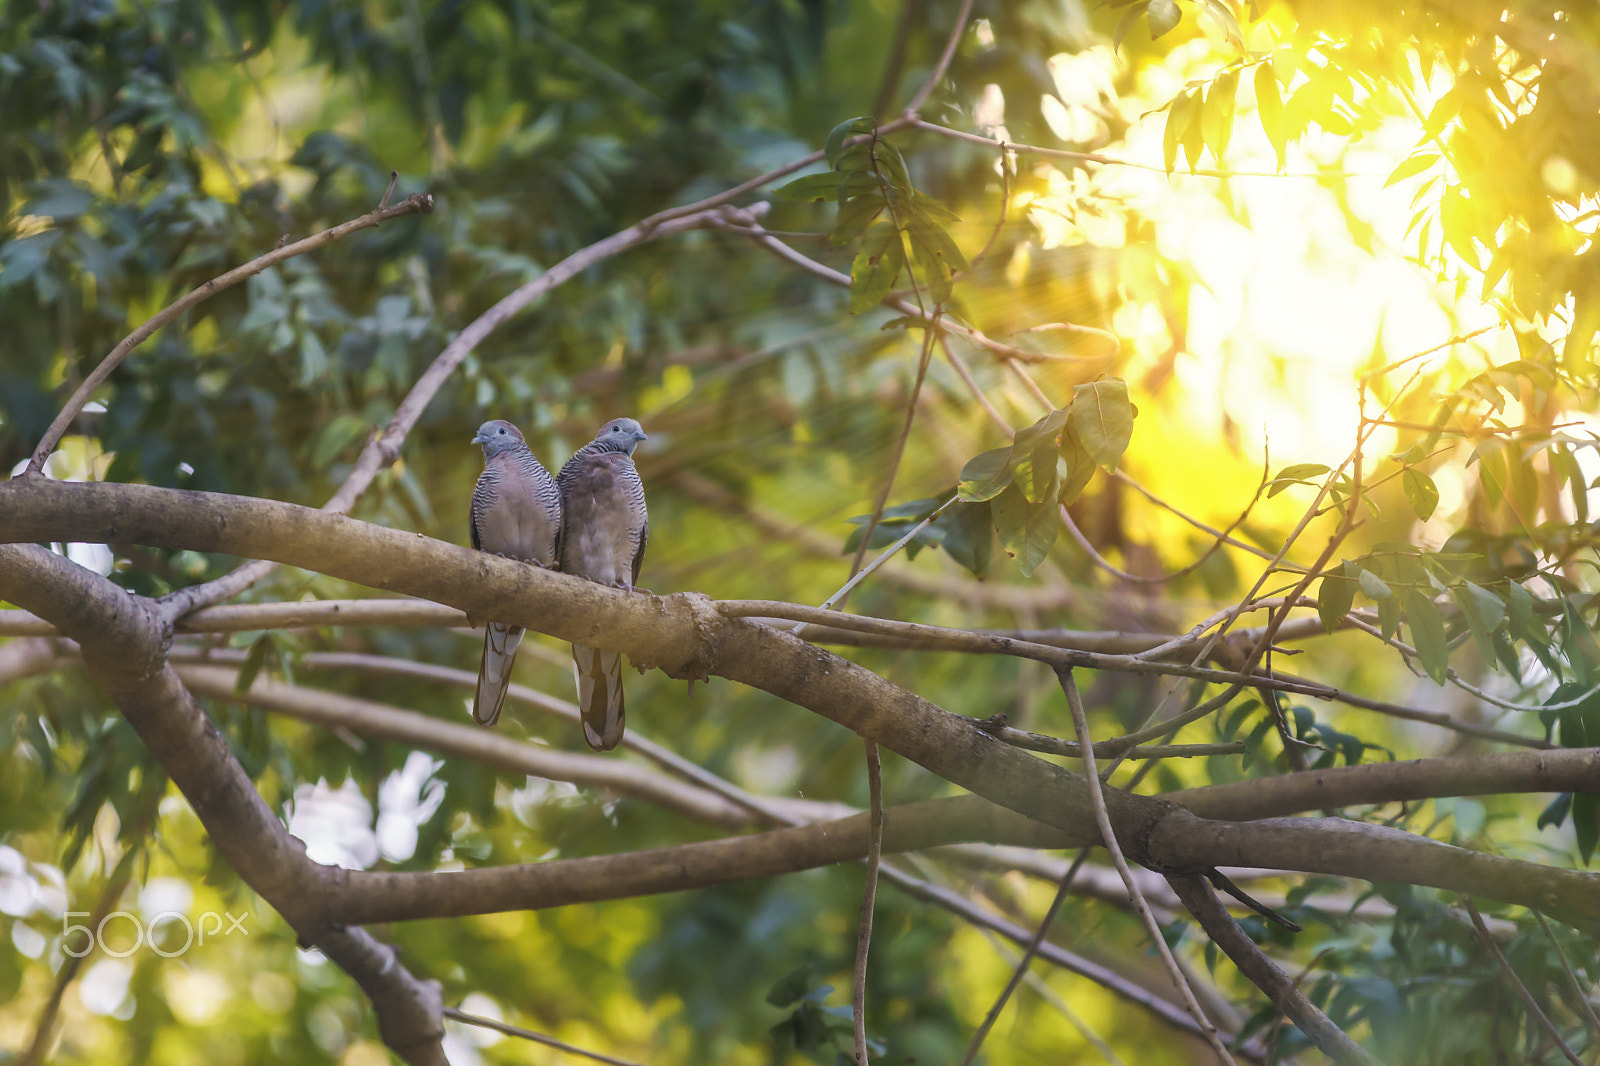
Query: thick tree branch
{"points": [[122, 641], [685, 636]]}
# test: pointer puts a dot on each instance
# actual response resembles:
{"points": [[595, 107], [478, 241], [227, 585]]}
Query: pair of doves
{"points": [[589, 520]]}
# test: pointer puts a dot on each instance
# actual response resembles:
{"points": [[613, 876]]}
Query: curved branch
{"points": [[413, 204]]}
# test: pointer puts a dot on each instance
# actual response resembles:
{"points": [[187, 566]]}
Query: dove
{"points": [[604, 529], [516, 512]]}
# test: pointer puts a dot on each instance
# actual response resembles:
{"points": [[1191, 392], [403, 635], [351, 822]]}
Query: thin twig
{"points": [[382, 450], [1578, 993], [939, 69], [899, 449], [459, 1015], [418, 202], [869, 897], [1020, 969], [1108, 837], [1516, 984]]}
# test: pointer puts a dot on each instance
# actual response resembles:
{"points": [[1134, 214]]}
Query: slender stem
{"points": [[1578, 993], [940, 68], [1108, 837], [1020, 970], [869, 897], [462, 1016], [1516, 984]]}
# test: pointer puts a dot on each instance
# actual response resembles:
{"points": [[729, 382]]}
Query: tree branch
{"points": [[685, 636], [122, 641], [1219, 925]]}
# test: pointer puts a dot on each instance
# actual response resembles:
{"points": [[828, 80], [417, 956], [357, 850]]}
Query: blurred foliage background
{"points": [[1368, 181]]}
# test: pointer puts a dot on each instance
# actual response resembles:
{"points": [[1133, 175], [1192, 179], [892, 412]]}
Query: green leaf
{"points": [[1373, 585], [1586, 822], [850, 127], [1484, 612], [969, 535], [853, 220], [1225, 21], [254, 660], [1041, 432], [1044, 470], [1180, 114], [811, 189], [876, 267], [1389, 616], [790, 987], [1427, 634], [1102, 419], [1216, 115], [1298, 474], [1334, 600], [985, 476], [1027, 530], [1125, 23], [1411, 166], [1080, 468], [1555, 813], [1269, 108], [1163, 17], [1421, 491]]}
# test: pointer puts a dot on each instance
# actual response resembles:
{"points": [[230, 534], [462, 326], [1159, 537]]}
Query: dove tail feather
{"points": [[494, 671], [599, 677]]}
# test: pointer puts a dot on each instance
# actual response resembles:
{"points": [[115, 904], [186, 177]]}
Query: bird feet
{"points": [[625, 587]]}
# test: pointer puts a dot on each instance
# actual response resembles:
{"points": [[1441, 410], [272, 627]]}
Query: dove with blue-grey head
{"points": [[516, 512], [604, 529]]}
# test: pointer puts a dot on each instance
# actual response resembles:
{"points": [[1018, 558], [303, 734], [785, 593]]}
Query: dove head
{"points": [[498, 436], [620, 434]]}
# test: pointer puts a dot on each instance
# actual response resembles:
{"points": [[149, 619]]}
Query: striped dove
{"points": [[516, 512], [603, 534]]}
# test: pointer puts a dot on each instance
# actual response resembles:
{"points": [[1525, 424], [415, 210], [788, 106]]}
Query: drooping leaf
{"points": [[1027, 530], [1184, 110], [1163, 16], [1586, 822], [985, 476], [1101, 418], [876, 267], [850, 127], [1373, 585], [1421, 491], [1427, 634], [810, 189], [1334, 599], [1269, 108], [1297, 474]]}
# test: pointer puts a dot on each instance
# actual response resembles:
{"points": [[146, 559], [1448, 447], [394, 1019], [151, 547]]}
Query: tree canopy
{"points": [[1212, 382]]}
